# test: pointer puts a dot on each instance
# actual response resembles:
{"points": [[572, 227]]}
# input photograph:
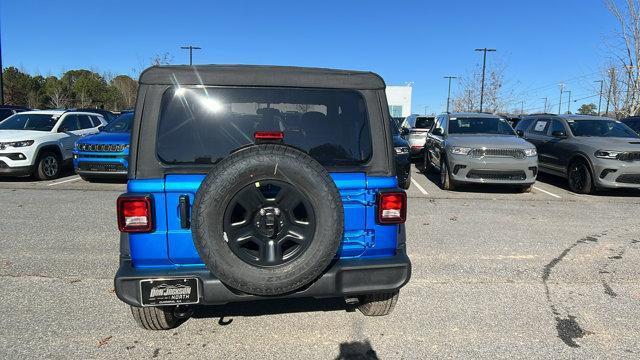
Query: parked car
{"points": [[403, 158], [259, 182], [633, 122], [591, 152], [479, 148], [414, 129], [39, 143], [106, 114], [106, 154], [8, 110]]}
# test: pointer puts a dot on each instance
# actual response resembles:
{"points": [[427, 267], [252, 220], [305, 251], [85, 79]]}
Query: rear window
{"points": [[424, 122], [205, 124]]}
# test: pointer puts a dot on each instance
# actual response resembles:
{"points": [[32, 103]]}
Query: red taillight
{"points": [[392, 207], [268, 135], [134, 213]]}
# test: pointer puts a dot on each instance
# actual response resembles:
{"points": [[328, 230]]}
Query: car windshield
{"points": [[482, 125], [120, 125], [601, 128], [203, 125], [38, 122]]}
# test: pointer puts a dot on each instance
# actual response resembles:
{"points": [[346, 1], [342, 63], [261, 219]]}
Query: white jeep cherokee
{"points": [[38, 143]]}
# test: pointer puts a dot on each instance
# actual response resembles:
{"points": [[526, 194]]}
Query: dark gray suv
{"points": [[591, 152]]}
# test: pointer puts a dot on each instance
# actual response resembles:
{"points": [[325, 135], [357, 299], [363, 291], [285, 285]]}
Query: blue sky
{"points": [[540, 43]]}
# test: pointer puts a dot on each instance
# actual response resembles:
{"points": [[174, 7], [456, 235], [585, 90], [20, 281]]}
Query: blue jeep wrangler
{"points": [[258, 182]]}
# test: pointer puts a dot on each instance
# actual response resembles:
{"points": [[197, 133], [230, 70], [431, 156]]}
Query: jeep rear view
{"points": [[256, 182]]}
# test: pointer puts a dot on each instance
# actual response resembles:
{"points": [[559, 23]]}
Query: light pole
{"points": [[560, 103], [569, 102], [600, 100], [190, 48], [449, 91], [484, 67], [521, 107], [545, 104]]}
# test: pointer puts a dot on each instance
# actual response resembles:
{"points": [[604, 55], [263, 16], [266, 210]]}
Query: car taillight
{"points": [[135, 213], [268, 135], [392, 207]]}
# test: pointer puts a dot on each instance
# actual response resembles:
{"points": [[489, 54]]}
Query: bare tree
{"points": [[624, 89], [496, 97], [128, 89], [57, 99]]}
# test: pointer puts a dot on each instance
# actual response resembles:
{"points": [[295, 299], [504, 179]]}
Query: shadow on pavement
{"points": [[357, 351], [561, 183], [270, 307]]}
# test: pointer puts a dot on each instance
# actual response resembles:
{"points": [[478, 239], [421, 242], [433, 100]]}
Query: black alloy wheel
{"points": [[269, 223], [580, 180]]}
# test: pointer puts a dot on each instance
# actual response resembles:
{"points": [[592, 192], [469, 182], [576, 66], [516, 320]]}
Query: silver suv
{"points": [[591, 152], [414, 129], [479, 148]]}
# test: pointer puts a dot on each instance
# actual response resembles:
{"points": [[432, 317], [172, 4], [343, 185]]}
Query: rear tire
{"points": [[580, 178], [407, 183], [426, 163], [155, 318], [48, 166], [378, 304]]}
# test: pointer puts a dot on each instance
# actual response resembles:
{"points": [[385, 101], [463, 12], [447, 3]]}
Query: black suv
{"points": [[590, 151], [257, 182]]}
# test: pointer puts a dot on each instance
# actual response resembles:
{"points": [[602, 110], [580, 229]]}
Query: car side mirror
{"points": [[520, 133], [559, 134], [101, 128], [438, 131], [63, 129], [404, 132]]}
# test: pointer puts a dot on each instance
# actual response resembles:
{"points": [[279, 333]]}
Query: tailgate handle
{"points": [[184, 211]]}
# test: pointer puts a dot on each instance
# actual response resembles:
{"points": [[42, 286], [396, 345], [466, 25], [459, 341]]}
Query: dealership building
{"points": [[399, 100]]}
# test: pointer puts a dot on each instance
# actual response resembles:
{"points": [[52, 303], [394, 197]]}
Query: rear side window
{"points": [[205, 124], [70, 123], [524, 124], [85, 122]]}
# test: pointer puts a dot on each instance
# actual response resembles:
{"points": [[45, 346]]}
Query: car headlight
{"points": [[19, 143], [401, 150], [607, 154], [457, 150], [530, 152]]}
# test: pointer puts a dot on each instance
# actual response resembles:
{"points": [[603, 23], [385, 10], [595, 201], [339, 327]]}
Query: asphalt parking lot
{"points": [[496, 274]]}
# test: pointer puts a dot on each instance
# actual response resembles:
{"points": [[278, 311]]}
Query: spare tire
{"points": [[267, 220]]}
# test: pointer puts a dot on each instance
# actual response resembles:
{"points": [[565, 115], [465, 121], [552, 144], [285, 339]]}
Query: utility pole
{"points": [[600, 101], [484, 67], [425, 109], [449, 91], [545, 104], [190, 48], [560, 103], [569, 102]]}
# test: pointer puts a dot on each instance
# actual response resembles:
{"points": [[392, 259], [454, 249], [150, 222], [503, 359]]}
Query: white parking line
{"points": [[422, 190], [64, 181], [547, 192]]}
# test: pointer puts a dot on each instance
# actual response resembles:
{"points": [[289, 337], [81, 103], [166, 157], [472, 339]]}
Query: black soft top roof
{"points": [[256, 75]]}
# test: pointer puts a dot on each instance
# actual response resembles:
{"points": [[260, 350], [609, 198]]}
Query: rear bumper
{"points": [[350, 277]]}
